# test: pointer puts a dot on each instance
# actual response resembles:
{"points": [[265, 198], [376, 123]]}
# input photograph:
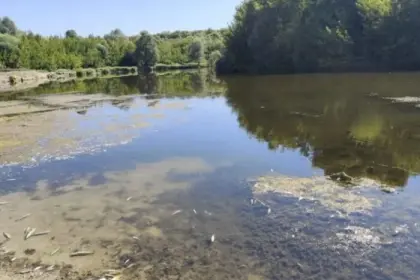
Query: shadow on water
{"points": [[149, 204], [172, 84], [339, 121]]}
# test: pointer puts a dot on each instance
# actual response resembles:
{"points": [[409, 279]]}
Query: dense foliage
{"points": [[28, 50], [274, 36], [147, 53]]}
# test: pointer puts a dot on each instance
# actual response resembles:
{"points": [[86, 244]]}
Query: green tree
{"points": [[71, 33], [34, 51], [196, 50], [146, 53], [114, 34], [9, 51], [214, 57], [7, 26]]}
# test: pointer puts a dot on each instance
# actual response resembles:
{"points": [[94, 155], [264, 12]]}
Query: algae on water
{"points": [[327, 192]]}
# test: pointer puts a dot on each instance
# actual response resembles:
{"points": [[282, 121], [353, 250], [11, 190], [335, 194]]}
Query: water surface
{"points": [[142, 171]]}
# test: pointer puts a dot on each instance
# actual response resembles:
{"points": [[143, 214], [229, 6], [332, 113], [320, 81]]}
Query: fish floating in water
{"points": [[81, 253], [41, 233], [23, 217], [176, 212], [55, 251], [6, 235], [29, 232]]}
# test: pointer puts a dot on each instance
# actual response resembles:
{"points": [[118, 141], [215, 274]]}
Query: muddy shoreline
{"points": [[22, 80], [26, 79]]}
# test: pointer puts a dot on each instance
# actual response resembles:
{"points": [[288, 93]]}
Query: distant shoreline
{"points": [[21, 79]]}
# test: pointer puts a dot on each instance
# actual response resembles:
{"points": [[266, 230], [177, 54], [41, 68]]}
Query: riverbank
{"points": [[22, 79], [166, 67]]}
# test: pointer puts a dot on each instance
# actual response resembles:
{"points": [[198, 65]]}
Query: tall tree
{"points": [[114, 34], [196, 50], [7, 26], [146, 53], [71, 33]]}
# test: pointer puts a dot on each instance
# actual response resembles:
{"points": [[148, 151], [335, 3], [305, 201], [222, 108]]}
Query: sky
{"points": [[98, 17]]}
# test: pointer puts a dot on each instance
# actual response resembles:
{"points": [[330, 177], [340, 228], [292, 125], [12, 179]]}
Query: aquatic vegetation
{"points": [[367, 129], [327, 192]]}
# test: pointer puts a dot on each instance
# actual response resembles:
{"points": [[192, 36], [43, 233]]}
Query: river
{"points": [[189, 176]]}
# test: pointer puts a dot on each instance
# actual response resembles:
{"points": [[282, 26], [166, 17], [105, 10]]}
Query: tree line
{"points": [[28, 50], [287, 36]]}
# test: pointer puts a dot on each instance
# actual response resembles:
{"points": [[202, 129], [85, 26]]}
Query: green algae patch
{"points": [[327, 192]]}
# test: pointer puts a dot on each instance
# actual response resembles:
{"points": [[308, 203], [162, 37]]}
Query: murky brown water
{"points": [[185, 176]]}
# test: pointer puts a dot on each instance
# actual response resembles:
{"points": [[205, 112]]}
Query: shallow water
{"points": [[142, 172]]}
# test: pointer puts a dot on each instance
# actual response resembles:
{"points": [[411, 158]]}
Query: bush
{"points": [[80, 73], [13, 80], [166, 67], [105, 71], [90, 72]]}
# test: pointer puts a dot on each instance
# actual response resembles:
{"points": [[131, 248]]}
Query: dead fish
{"points": [[212, 238], [131, 265], [37, 268], [50, 268], [252, 201], [55, 251], [41, 233], [23, 217], [268, 211], [176, 212], [129, 198], [136, 238], [195, 212], [30, 232], [6, 235], [112, 271], [81, 253], [207, 213], [25, 271]]}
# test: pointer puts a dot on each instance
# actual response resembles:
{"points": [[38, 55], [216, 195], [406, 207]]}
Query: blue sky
{"points": [[54, 17]]}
